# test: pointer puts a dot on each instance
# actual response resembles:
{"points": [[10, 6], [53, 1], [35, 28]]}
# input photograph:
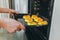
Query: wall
{"points": [[4, 4], [55, 27]]}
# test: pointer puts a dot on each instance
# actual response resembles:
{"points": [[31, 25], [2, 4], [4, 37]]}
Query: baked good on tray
{"points": [[31, 23], [34, 20]]}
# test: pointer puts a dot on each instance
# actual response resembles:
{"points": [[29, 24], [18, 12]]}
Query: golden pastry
{"points": [[32, 23], [38, 20], [41, 20], [28, 20], [34, 16], [40, 23], [26, 16], [45, 23]]}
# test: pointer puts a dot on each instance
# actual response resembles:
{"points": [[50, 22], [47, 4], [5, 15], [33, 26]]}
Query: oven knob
{"points": [[35, 8], [38, 8], [35, 5], [35, 1]]}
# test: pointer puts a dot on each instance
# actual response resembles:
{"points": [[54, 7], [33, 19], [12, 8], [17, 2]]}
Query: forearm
{"points": [[0, 23], [4, 10]]}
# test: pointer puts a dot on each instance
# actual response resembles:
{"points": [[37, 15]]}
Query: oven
{"points": [[41, 8]]}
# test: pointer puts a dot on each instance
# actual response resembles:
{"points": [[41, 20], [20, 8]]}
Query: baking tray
{"points": [[33, 32]]}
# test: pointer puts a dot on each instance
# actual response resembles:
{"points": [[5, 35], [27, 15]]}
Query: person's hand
{"points": [[11, 25], [11, 11], [6, 10]]}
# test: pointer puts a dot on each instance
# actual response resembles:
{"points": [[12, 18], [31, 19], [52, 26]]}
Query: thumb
{"points": [[22, 27]]}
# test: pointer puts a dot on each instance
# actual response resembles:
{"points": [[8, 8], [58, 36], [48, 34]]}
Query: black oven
{"points": [[42, 8]]}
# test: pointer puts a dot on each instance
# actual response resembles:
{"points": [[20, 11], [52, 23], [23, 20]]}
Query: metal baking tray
{"points": [[33, 32]]}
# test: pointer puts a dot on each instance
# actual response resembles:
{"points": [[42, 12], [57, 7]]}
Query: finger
{"points": [[18, 29], [21, 26], [10, 31], [14, 12], [11, 13]]}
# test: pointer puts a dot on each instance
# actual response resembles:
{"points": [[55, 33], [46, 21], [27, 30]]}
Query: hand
{"points": [[6, 10], [11, 11], [11, 25]]}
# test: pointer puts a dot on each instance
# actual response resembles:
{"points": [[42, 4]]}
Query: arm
{"points": [[4, 10], [11, 25], [1, 23]]}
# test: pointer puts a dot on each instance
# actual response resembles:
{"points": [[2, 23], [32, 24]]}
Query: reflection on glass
{"points": [[21, 6]]}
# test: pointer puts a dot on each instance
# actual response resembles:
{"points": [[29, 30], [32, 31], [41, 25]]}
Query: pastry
{"points": [[28, 20], [38, 19], [26, 16], [45, 23], [34, 16], [40, 23], [32, 23]]}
